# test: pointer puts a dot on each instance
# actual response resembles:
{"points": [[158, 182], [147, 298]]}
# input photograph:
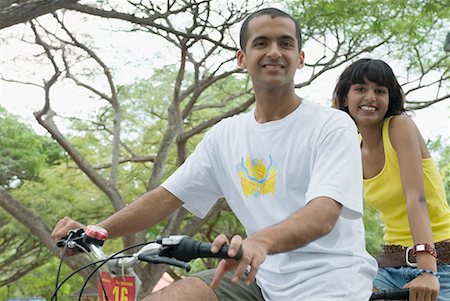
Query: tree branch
{"points": [[20, 11]]}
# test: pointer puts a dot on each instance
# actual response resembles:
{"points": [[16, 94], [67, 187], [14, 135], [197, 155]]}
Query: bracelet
{"points": [[421, 271]]}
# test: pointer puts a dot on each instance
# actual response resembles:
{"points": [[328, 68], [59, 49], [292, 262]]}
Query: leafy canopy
{"points": [[23, 153]]}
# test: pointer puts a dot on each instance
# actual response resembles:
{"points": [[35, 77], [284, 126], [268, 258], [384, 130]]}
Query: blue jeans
{"points": [[392, 278]]}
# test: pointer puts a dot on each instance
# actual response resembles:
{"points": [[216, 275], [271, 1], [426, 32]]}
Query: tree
{"points": [[23, 155], [205, 29], [410, 31], [198, 87], [25, 158]]}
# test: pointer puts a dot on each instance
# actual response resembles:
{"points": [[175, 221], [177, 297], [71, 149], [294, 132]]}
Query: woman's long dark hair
{"points": [[376, 71]]}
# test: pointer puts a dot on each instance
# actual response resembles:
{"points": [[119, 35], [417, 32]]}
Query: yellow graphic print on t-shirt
{"points": [[257, 178]]}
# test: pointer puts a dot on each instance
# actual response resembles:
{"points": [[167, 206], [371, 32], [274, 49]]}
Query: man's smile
{"points": [[273, 66]]}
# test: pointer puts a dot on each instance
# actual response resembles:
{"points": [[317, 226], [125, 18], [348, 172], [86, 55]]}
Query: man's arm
{"points": [[305, 225], [143, 213]]}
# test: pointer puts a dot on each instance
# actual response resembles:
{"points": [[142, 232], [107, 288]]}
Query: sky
{"points": [[23, 100]]}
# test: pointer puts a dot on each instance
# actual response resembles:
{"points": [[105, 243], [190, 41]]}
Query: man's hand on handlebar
{"points": [[253, 255], [62, 229]]}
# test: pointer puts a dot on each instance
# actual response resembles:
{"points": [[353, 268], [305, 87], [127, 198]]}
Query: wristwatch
{"points": [[424, 247], [96, 232]]}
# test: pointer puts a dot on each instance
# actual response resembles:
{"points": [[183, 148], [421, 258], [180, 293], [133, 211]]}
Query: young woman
{"points": [[401, 181]]}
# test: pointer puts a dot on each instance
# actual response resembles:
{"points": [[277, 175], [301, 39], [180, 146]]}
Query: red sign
{"points": [[117, 288]]}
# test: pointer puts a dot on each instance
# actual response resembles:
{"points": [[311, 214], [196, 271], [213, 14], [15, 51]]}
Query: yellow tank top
{"points": [[384, 192]]}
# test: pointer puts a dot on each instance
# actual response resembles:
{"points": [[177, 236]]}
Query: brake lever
{"points": [[156, 259], [73, 240]]}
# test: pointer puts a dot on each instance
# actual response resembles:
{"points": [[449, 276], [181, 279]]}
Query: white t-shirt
{"points": [[268, 171]]}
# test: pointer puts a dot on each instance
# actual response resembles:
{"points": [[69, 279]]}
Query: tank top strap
{"points": [[388, 148]]}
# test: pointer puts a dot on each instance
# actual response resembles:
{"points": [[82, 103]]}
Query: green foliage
{"points": [[146, 101], [23, 153], [61, 191], [41, 282], [405, 21], [412, 31], [144, 107], [20, 251], [64, 191], [374, 230], [440, 151], [49, 189]]}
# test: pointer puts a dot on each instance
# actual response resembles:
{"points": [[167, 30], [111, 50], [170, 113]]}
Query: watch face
{"points": [[420, 248], [96, 232], [424, 248]]}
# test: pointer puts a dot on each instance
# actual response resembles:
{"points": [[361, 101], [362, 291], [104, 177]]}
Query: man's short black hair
{"points": [[272, 12]]}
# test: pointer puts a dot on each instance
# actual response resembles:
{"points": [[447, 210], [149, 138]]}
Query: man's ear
{"points": [[301, 59], [240, 56]]}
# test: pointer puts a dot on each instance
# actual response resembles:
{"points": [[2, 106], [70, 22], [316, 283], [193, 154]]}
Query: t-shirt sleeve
{"points": [[195, 182], [337, 168]]}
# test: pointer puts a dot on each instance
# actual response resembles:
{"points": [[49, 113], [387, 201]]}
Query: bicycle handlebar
{"points": [[393, 294], [174, 250]]}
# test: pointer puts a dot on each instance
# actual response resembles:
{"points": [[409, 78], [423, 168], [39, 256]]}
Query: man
{"points": [[291, 173]]}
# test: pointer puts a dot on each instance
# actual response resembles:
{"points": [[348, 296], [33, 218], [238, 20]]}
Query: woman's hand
{"points": [[424, 287]]}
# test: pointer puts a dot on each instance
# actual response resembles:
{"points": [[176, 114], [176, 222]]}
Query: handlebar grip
{"points": [[393, 294], [190, 248]]}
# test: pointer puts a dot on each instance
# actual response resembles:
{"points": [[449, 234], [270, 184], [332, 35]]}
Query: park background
{"points": [[101, 100]]}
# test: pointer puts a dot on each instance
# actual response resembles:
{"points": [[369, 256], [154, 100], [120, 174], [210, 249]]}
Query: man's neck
{"points": [[271, 106]]}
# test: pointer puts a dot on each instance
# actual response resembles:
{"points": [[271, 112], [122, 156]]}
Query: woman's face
{"points": [[367, 103]]}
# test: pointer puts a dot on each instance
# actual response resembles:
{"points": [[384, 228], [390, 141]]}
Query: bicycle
{"points": [[175, 250], [394, 294]]}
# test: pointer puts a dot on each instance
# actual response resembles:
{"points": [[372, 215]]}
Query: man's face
{"points": [[271, 55]]}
